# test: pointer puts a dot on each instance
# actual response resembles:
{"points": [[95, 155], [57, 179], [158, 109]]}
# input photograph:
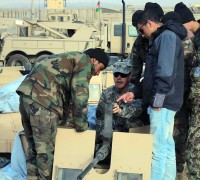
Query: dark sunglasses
{"points": [[141, 31], [121, 75]]}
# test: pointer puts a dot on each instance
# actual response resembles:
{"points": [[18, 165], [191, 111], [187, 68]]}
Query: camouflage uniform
{"points": [[193, 142], [45, 95], [130, 112], [138, 56], [181, 120]]}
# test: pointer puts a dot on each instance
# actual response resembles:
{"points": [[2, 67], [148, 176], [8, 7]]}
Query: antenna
{"points": [[32, 10]]}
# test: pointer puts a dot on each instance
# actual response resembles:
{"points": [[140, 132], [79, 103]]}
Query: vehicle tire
{"points": [[41, 57], [18, 60]]}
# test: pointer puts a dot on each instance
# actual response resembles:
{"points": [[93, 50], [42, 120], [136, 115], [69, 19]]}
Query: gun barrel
{"points": [[88, 168], [100, 155]]}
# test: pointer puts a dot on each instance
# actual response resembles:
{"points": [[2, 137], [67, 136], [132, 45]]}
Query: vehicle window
{"points": [[60, 18], [95, 92], [132, 31], [117, 30], [53, 18]]}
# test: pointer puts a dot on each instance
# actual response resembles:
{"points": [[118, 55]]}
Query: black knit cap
{"points": [[184, 12], [136, 15], [154, 7], [173, 16], [99, 55]]}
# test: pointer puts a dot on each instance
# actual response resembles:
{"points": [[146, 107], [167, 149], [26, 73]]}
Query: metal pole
{"points": [[39, 10], [123, 29], [32, 9]]}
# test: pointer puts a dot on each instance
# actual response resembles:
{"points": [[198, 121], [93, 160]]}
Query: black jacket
{"points": [[163, 84]]}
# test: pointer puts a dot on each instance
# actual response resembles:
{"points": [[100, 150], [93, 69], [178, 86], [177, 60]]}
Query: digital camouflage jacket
{"points": [[195, 83], [130, 111], [189, 52]]}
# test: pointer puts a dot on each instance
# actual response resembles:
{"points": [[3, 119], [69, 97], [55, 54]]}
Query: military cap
{"points": [[123, 67]]}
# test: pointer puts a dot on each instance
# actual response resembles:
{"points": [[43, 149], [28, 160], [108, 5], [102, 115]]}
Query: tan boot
{"points": [[32, 178], [181, 176]]}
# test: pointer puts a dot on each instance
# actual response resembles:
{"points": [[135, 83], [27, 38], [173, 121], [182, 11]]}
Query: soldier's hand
{"points": [[82, 128], [117, 109], [127, 97]]}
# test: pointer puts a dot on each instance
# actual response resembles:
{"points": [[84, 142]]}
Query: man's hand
{"points": [[127, 97], [84, 127], [117, 109]]}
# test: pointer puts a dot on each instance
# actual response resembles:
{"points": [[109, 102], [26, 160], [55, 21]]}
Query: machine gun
{"points": [[100, 155], [103, 152]]}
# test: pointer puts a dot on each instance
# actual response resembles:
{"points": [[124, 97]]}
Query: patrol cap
{"points": [[123, 67]]}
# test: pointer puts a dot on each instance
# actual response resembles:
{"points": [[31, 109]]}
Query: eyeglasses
{"points": [[121, 75], [141, 31]]}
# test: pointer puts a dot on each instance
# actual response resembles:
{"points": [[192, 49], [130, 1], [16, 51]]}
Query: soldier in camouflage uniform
{"points": [[181, 121], [45, 95], [141, 44], [125, 116], [193, 141], [138, 54]]}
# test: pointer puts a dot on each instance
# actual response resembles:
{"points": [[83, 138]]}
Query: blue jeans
{"points": [[163, 160]]}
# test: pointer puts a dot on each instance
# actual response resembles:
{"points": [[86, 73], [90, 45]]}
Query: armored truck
{"points": [[32, 41]]}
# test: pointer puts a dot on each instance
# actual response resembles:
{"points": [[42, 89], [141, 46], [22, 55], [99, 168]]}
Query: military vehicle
{"points": [[32, 41], [39, 39], [60, 17], [195, 8]]}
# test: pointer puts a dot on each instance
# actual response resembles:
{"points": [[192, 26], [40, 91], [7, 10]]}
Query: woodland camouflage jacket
{"points": [[59, 79]]}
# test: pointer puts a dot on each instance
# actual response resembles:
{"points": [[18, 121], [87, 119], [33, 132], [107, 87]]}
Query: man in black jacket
{"points": [[162, 88]]}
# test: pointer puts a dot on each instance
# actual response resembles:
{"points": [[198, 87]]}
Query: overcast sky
{"points": [[92, 3], [110, 3]]}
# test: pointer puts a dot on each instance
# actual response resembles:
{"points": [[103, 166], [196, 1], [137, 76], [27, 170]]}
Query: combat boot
{"points": [[181, 176], [32, 178]]}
